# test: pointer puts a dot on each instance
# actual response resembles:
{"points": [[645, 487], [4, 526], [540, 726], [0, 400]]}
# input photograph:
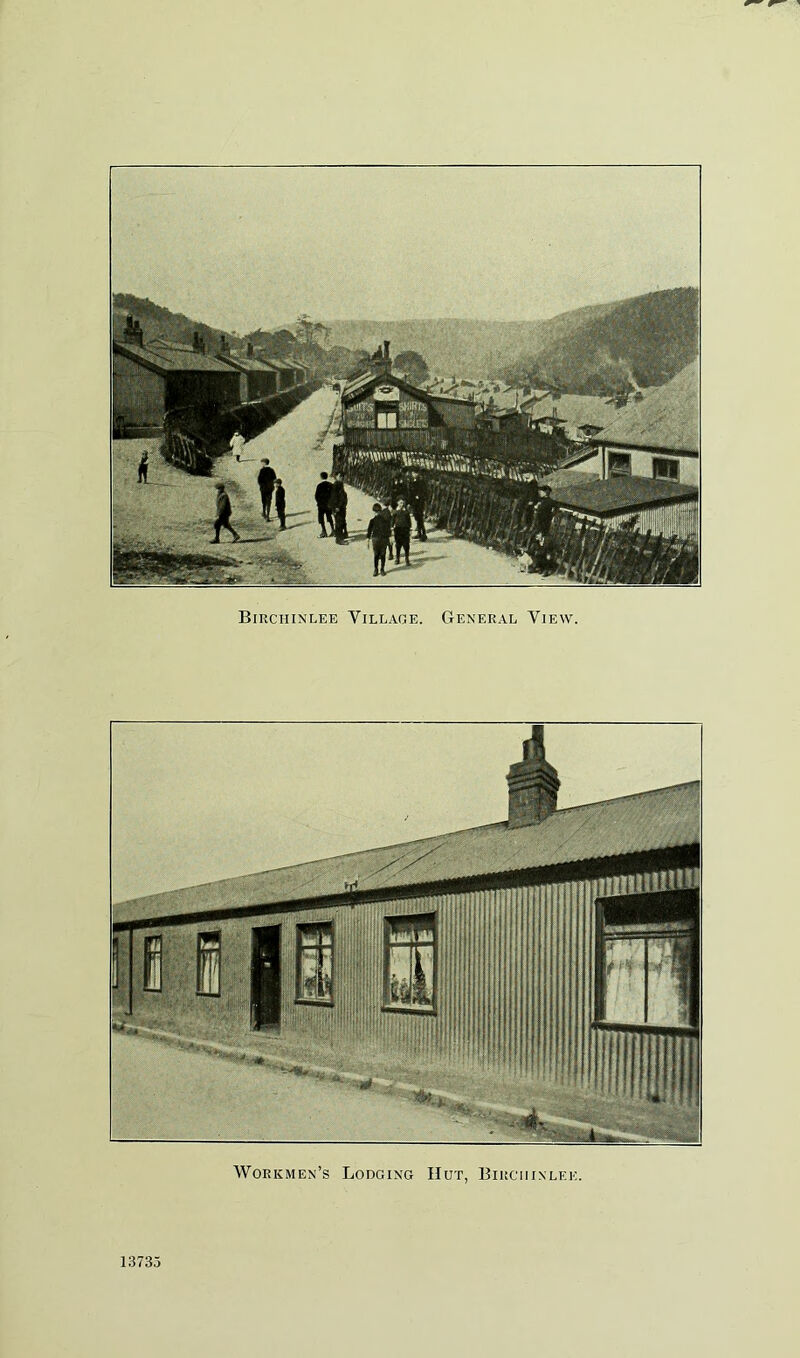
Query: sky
{"points": [[248, 248], [197, 801]]}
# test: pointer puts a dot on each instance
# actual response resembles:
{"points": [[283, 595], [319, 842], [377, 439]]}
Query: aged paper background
{"points": [[655, 1249]]}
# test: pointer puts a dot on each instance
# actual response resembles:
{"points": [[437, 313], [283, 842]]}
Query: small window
{"points": [[619, 464], [152, 962], [208, 964], [647, 960], [385, 419], [666, 469], [315, 963], [410, 963], [115, 962]]}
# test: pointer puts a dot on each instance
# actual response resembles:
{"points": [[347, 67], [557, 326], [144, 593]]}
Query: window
{"points": [[385, 418], [152, 962], [208, 964], [647, 960], [115, 961], [315, 963], [619, 464], [666, 469], [410, 961]]}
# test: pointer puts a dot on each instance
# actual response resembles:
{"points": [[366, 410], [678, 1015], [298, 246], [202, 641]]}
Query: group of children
{"points": [[385, 523]]}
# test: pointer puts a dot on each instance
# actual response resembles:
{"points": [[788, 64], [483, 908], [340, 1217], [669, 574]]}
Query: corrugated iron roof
{"points": [[592, 411], [172, 358], [667, 417], [666, 818], [246, 363], [618, 494]]}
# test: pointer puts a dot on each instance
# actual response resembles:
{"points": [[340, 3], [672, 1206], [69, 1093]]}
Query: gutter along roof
{"points": [[667, 818]]}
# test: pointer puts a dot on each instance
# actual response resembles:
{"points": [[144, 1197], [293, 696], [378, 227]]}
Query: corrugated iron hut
{"points": [[151, 379], [381, 410], [560, 946]]}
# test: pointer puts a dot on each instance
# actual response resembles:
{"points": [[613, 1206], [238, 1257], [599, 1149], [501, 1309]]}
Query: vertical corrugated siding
{"points": [[515, 987]]}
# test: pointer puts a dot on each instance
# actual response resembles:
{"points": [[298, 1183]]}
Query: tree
{"points": [[309, 330], [413, 365]]}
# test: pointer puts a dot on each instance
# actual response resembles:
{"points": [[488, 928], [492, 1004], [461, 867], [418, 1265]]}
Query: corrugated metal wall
{"points": [[515, 987], [138, 393]]}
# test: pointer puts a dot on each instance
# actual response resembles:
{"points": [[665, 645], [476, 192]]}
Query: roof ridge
{"points": [[410, 843]]}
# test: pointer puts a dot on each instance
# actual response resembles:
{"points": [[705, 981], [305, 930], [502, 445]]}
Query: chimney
{"points": [[249, 348], [133, 332], [532, 784], [381, 362], [198, 344], [223, 345]]}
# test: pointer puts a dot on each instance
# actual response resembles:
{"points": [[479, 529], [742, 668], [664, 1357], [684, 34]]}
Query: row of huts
{"points": [[636, 463], [150, 379], [560, 946]]}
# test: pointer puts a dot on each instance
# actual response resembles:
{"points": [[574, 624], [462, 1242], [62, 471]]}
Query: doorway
{"points": [[266, 987]]}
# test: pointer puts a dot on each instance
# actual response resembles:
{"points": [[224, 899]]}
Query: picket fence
{"points": [[493, 513]]}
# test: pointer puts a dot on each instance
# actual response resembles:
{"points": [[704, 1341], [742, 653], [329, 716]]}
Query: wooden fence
{"points": [[495, 514], [500, 446], [432, 459]]}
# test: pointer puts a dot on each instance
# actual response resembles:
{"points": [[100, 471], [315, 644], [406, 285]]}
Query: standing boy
{"points": [[280, 502], [378, 534], [223, 519], [266, 484], [418, 498], [402, 531], [143, 468], [322, 495]]}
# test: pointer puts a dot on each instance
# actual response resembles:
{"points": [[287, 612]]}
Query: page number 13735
{"points": [[140, 1261]]}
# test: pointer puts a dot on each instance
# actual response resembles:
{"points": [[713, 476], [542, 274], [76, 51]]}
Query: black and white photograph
{"points": [[405, 375], [493, 936]]}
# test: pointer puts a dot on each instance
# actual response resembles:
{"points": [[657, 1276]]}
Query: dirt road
{"points": [[163, 530], [159, 1093]]}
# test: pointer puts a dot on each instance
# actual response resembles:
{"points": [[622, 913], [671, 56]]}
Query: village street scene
{"points": [[555, 441]]}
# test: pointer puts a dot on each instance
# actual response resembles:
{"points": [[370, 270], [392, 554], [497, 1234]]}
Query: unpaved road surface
{"points": [[162, 531]]}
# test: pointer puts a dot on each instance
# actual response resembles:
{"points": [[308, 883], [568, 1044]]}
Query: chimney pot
{"points": [[532, 784]]}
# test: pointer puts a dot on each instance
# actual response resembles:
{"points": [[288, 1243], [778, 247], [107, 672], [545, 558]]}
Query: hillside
{"points": [[592, 349], [158, 322]]}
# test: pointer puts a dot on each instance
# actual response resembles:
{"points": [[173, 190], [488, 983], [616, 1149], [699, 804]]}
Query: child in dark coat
{"points": [[402, 531], [280, 502], [378, 531]]}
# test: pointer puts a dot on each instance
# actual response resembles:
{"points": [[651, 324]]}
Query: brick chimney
{"points": [[133, 331], [249, 348], [198, 343], [381, 361], [223, 345], [532, 784]]}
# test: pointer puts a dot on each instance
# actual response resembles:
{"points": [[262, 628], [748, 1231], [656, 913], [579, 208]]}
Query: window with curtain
{"points": [[208, 964], [410, 962], [315, 963], [152, 962], [648, 960], [115, 961], [619, 464]]}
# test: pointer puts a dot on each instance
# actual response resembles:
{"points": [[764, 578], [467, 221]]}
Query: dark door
{"points": [[267, 978]]}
